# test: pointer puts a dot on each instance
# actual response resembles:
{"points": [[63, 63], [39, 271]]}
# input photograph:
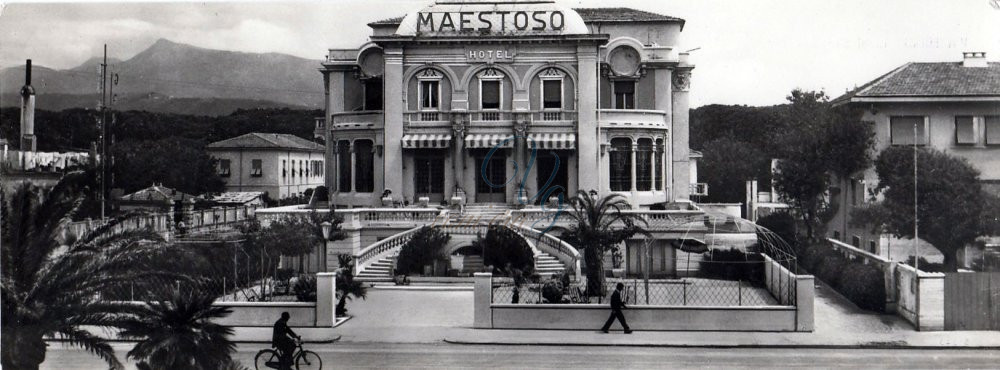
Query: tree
{"points": [[598, 225], [177, 163], [179, 333], [727, 165], [950, 199], [52, 285], [822, 141], [502, 245], [422, 249]]}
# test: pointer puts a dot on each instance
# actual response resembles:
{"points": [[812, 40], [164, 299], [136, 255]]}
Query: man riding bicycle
{"points": [[283, 339]]}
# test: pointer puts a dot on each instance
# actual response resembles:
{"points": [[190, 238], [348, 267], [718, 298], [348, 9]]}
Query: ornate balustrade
{"points": [[552, 245], [374, 252]]}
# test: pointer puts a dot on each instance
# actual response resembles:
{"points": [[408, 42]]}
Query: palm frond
{"points": [[91, 343]]}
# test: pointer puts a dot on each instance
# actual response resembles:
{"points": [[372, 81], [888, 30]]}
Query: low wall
{"points": [[886, 266], [728, 209], [787, 318], [266, 313], [921, 297]]}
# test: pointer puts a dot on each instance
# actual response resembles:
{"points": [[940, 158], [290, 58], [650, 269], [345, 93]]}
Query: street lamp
{"points": [[326, 226]]}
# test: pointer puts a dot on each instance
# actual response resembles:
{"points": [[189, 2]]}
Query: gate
{"points": [[972, 301]]}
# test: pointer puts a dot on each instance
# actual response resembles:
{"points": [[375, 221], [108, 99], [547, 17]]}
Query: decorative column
{"points": [[631, 150], [521, 155], [588, 146], [392, 154], [679, 131], [458, 152]]}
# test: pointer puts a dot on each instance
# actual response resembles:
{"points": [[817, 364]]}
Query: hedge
{"points": [[733, 264], [860, 283]]}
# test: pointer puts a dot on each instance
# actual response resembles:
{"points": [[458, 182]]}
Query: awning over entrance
{"points": [[421, 141], [552, 141], [487, 141]]}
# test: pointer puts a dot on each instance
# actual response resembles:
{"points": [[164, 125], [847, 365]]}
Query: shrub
{"points": [[503, 245], [733, 264], [782, 224], [305, 288], [423, 248], [552, 291], [864, 285], [927, 266]]}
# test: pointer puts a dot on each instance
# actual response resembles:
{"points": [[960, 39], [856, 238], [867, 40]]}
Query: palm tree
{"points": [[51, 284], [347, 287], [598, 226], [179, 333]]}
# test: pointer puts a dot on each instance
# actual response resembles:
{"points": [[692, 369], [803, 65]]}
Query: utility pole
{"points": [[916, 235], [107, 98]]}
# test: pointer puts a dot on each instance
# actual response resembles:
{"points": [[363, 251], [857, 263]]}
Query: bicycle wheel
{"points": [[308, 360], [266, 359]]}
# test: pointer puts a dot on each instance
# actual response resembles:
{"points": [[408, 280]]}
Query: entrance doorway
{"points": [[494, 170], [555, 168], [428, 174]]}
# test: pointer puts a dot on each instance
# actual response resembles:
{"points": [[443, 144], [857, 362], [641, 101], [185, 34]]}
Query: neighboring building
{"points": [[239, 199], [157, 199], [954, 107], [602, 93], [280, 165]]}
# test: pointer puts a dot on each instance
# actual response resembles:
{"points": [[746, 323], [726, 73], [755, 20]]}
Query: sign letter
{"points": [[425, 21]]}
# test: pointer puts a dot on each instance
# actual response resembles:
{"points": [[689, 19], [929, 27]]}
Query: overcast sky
{"points": [[752, 52]]}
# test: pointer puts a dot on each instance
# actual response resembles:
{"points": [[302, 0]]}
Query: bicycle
{"points": [[303, 359]]}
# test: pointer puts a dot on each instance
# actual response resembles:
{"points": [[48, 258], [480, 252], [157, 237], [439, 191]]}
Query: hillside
{"points": [[177, 78]]}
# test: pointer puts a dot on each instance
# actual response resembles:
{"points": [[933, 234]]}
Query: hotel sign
{"points": [[539, 21], [490, 54]]}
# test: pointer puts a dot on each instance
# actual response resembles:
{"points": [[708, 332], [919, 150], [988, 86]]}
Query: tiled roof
{"points": [[265, 140], [622, 15], [156, 193], [932, 80], [589, 15], [237, 196]]}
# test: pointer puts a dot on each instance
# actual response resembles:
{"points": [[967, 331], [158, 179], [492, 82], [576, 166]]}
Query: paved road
{"points": [[422, 356]]}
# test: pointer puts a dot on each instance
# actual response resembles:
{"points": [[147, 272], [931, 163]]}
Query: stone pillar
{"points": [[334, 93], [680, 151], [483, 294], [805, 293], [392, 153], [326, 299], [587, 136], [458, 152], [521, 157]]}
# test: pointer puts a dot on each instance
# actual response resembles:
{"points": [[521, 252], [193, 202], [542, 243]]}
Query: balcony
{"points": [[490, 117], [357, 120], [633, 118]]}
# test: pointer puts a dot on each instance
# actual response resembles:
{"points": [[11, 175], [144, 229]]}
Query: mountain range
{"points": [[170, 77]]}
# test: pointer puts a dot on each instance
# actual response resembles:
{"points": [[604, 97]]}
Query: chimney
{"points": [[975, 59], [28, 112]]}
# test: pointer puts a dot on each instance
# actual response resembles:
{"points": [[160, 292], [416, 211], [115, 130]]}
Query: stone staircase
{"points": [[546, 265], [378, 271], [381, 271], [481, 213]]}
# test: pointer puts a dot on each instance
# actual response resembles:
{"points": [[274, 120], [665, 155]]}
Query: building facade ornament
{"points": [[682, 80]]}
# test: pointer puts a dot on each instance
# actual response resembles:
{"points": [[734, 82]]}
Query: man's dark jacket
{"points": [[616, 301], [281, 337]]}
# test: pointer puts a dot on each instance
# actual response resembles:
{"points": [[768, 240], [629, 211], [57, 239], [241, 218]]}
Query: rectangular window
{"points": [[364, 166], [256, 168], [856, 241], [293, 169], [621, 164], [965, 132], [624, 94], [284, 168], [901, 130], [373, 94], [490, 98], [658, 154], [344, 165], [644, 165], [992, 130], [552, 94], [872, 246], [429, 95], [224, 168]]}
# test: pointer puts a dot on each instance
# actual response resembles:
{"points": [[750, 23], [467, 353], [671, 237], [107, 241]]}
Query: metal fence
{"points": [[652, 292]]}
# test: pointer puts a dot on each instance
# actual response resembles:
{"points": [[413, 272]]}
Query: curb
{"points": [[315, 341], [733, 346]]}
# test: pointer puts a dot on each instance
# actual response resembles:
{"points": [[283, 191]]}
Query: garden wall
{"points": [[798, 317], [921, 297], [304, 314], [886, 266]]}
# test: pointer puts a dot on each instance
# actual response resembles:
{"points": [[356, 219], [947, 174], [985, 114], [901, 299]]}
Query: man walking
{"points": [[617, 305]]}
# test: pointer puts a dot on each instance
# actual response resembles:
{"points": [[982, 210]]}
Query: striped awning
{"points": [[487, 141], [552, 141], [421, 141]]}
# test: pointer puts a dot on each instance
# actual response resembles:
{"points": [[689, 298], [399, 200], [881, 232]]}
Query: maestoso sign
{"points": [[491, 21]]}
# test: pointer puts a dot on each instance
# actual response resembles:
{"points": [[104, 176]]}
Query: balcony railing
{"points": [[632, 117], [361, 119]]}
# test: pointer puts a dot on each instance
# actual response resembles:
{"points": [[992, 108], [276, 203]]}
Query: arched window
{"points": [[621, 164], [490, 93], [552, 93], [344, 165], [429, 89], [644, 165], [658, 153], [364, 166]]}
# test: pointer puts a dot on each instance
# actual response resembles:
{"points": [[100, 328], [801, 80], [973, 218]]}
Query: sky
{"points": [[748, 52]]}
